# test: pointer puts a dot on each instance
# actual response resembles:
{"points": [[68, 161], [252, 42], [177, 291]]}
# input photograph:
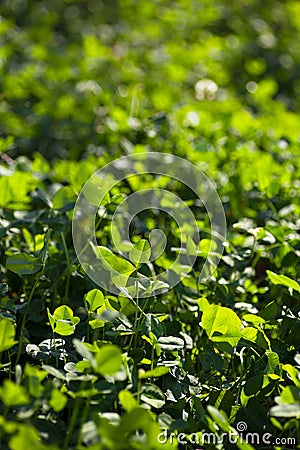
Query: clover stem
{"points": [[68, 264], [74, 416], [56, 355], [82, 420], [24, 320]]}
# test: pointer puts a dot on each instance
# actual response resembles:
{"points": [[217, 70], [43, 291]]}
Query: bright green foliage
{"points": [[256, 336], [63, 321], [127, 401], [115, 263], [221, 324], [58, 400], [108, 360], [93, 300], [23, 264], [7, 334], [96, 304], [12, 394], [283, 280], [157, 372], [140, 253], [27, 437]]}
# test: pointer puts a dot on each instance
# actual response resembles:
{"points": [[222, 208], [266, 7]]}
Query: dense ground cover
{"points": [[83, 83]]}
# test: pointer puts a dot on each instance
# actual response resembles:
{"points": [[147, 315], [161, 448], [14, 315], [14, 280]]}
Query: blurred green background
{"points": [[87, 77]]}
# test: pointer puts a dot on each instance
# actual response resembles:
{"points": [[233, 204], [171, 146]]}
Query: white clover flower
{"points": [[206, 89]]}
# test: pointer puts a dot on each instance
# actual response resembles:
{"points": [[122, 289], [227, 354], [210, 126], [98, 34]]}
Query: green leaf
{"points": [[82, 349], [58, 400], [26, 437], [5, 143], [64, 199], [206, 246], [55, 372], [62, 321], [13, 394], [43, 196], [293, 373], [44, 250], [270, 311], [114, 262], [219, 418], [191, 247], [170, 343], [14, 189], [222, 400], [34, 377], [286, 410], [95, 302], [51, 319], [137, 419], [140, 253], [289, 394], [222, 421], [64, 327], [96, 191], [256, 336], [23, 264], [283, 280], [153, 396], [152, 339], [127, 400], [273, 363], [108, 359], [222, 324], [256, 386], [7, 334], [94, 299], [63, 313], [254, 319], [157, 372], [152, 324], [202, 303]]}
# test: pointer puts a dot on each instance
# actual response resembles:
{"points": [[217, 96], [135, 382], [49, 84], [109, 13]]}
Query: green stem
{"points": [[88, 327], [133, 334], [69, 265], [196, 280], [82, 420], [141, 315], [87, 243], [152, 357], [73, 419], [24, 320], [56, 355], [139, 387]]}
